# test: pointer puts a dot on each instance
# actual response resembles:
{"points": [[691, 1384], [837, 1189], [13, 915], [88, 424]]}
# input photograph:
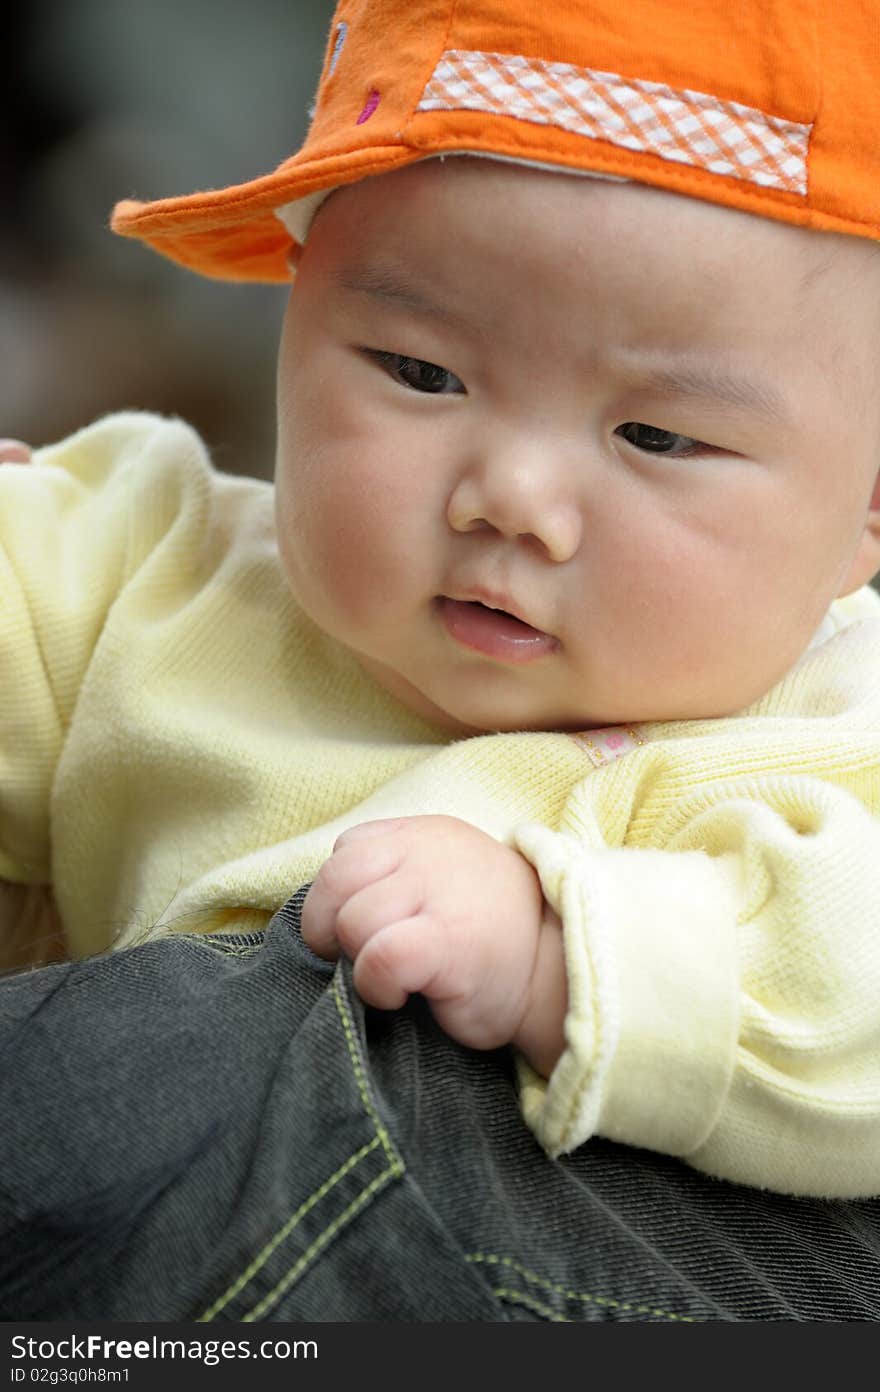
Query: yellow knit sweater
{"points": [[180, 746]]}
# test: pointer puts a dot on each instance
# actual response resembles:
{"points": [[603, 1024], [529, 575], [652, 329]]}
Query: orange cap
{"points": [[770, 106]]}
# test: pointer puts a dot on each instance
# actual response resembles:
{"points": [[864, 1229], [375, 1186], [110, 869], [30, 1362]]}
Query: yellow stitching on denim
{"points": [[283, 1232], [393, 1172], [514, 1297], [490, 1259], [396, 1168], [354, 1052]]}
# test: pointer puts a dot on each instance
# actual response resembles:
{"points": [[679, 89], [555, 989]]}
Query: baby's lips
{"points": [[494, 632]]}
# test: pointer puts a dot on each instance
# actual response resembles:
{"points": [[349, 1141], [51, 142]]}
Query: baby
{"points": [[557, 675]]}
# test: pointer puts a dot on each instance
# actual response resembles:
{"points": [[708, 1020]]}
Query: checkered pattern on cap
{"points": [[692, 128]]}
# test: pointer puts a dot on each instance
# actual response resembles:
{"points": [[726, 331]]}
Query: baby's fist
{"points": [[434, 905]]}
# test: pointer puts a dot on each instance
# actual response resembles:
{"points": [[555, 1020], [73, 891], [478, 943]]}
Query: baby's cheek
{"points": [[343, 579]]}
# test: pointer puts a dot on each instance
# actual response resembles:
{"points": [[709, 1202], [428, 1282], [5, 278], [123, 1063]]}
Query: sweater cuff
{"points": [[653, 982]]}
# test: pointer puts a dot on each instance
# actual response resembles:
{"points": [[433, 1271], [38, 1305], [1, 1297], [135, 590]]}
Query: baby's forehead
{"points": [[471, 180], [600, 207]]}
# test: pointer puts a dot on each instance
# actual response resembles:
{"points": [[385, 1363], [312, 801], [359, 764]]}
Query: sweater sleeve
{"points": [[74, 526], [724, 991]]}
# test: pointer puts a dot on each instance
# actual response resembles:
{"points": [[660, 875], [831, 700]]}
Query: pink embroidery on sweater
{"points": [[609, 743]]}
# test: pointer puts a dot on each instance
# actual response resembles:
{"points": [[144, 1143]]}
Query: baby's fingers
{"points": [[351, 871], [14, 452], [408, 956]]}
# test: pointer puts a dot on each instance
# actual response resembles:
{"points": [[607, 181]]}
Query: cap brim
{"points": [[233, 233]]}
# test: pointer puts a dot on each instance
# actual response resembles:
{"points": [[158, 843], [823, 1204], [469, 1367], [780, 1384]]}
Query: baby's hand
{"points": [[14, 452], [432, 904]]}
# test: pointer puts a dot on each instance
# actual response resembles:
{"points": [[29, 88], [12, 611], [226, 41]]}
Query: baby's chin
{"points": [[463, 723], [479, 717], [467, 708], [416, 701]]}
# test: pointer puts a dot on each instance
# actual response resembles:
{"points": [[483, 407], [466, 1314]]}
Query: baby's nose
{"points": [[522, 501]]}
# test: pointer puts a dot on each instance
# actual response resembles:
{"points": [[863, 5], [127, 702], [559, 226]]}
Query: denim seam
{"points": [[320, 1241], [515, 1297], [360, 1076], [491, 1259], [394, 1169], [286, 1229]]}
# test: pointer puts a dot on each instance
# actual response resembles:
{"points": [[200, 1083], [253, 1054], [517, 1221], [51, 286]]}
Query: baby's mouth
{"points": [[493, 632]]}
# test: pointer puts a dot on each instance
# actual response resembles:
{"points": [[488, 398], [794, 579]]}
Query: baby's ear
{"points": [[866, 561]]}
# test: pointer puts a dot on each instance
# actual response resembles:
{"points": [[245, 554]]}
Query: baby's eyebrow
{"points": [[383, 283], [708, 383]]}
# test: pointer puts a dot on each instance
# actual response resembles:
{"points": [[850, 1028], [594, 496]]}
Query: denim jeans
{"points": [[217, 1129]]}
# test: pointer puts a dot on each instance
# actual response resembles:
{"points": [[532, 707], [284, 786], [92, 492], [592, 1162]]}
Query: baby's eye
{"points": [[655, 441], [419, 375]]}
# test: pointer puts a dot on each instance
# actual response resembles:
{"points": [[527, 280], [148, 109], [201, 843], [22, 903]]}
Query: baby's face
{"points": [[646, 427]]}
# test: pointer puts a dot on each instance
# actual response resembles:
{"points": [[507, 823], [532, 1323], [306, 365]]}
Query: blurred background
{"points": [[105, 99]]}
